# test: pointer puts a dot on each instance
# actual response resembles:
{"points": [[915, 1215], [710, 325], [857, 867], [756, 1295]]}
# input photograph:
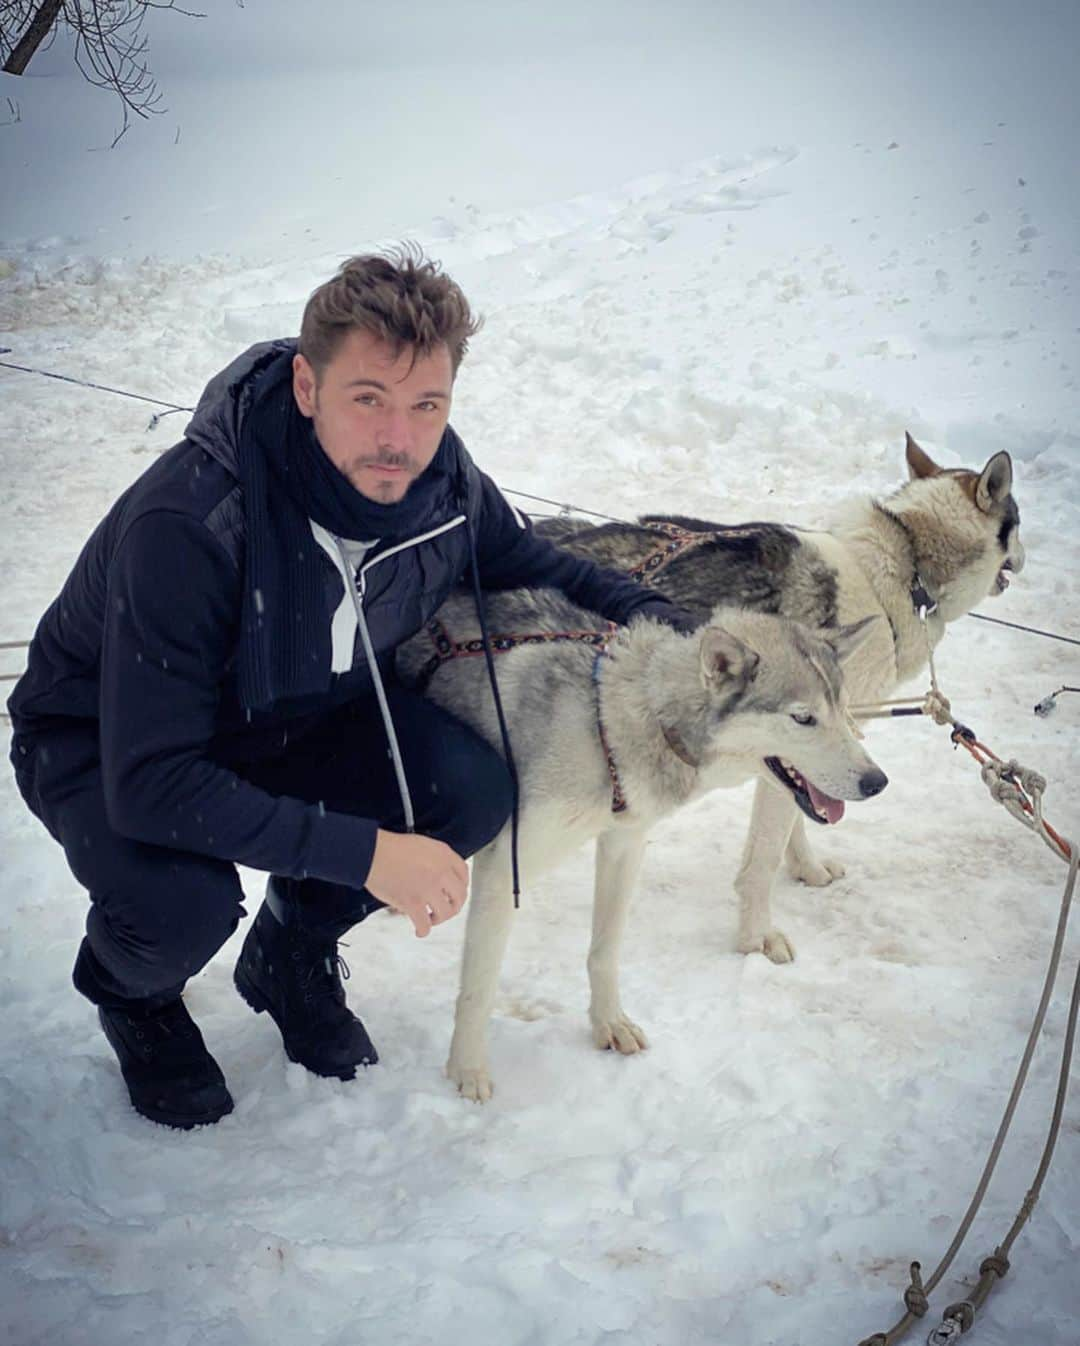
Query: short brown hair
{"points": [[399, 296]]}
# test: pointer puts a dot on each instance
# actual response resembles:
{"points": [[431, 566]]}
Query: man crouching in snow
{"points": [[214, 684]]}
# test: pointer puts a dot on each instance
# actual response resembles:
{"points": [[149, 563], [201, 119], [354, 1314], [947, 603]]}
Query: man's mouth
{"points": [[814, 803]]}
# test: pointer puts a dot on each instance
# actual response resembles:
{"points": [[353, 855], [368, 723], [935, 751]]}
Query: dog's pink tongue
{"points": [[833, 809]]}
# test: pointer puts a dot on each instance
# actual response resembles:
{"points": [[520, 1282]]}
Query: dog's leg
{"points": [[618, 858], [490, 913], [803, 864], [770, 826]]}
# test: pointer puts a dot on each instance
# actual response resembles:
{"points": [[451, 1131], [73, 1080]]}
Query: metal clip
{"points": [[1048, 704], [159, 416], [921, 601]]}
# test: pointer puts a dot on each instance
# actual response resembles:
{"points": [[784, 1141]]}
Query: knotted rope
{"points": [[1020, 791]]}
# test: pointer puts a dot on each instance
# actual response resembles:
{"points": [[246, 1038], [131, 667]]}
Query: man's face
{"points": [[379, 421]]}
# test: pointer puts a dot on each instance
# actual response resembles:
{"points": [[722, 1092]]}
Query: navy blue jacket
{"points": [[141, 645]]}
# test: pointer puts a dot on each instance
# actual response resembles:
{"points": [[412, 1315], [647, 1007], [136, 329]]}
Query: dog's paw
{"points": [[816, 873], [474, 1085], [618, 1034], [776, 947]]}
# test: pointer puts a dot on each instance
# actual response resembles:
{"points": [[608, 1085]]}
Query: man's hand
{"points": [[423, 878], [670, 614]]}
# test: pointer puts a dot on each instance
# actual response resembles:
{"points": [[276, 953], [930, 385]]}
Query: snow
{"points": [[726, 259]]}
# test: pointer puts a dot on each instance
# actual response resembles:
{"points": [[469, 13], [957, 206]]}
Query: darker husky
{"points": [[941, 543]]}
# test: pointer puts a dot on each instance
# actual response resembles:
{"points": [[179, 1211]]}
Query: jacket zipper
{"points": [[356, 592], [404, 546]]}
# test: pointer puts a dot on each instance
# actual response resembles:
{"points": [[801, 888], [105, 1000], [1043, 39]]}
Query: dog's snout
{"points": [[872, 783]]}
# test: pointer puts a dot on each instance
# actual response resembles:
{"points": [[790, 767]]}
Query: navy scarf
{"points": [[288, 480]]}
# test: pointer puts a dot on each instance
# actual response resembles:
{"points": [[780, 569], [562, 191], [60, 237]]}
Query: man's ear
{"points": [[845, 640], [919, 462], [723, 657], [304, 385], [995, 482]]}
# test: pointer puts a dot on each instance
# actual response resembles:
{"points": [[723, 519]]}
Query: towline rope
{"points": [[1020, 791]]}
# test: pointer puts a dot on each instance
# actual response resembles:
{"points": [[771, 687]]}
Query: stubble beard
{"points": [[387, 492], [380, 492]]}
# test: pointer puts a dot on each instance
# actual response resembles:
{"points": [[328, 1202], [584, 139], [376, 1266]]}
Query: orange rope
{"points": [[982, 755]]}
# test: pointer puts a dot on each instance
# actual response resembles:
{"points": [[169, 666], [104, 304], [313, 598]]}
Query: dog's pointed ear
{"points": [[845, 640], [995, 482], [723, 657], [919, 462]]}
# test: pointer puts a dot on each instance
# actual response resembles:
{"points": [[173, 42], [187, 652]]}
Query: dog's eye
{"points": [[803, 717]]}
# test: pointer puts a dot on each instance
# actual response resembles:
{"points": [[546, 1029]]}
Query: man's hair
{"points": [[399, 296]]}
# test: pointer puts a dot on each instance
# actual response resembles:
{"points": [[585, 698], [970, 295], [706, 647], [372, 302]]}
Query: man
{"points": [[214, 684]]}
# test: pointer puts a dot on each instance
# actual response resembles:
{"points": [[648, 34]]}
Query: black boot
{"points": [[295, 974], [170, 1075]]}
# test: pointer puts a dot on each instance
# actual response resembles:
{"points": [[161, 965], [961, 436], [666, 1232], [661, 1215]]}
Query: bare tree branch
{"points": [[110, 48], [39, 27]]}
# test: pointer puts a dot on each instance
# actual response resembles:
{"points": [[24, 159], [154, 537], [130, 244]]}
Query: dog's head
{"points": [[966, 528], [777, 701]]}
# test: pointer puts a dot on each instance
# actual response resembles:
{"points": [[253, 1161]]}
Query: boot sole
{"points": [[176, 1121], [251, 994]]}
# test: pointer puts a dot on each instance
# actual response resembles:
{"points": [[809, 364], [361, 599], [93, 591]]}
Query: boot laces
{"points": [[152, 1030], [323, 974]]}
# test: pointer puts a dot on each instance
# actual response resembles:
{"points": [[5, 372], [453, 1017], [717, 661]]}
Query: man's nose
{"points": [[394, 430]]}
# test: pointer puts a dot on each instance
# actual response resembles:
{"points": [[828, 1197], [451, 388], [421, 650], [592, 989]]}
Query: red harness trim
{"points": [[446, 648], [618, 799], [679, 540]]}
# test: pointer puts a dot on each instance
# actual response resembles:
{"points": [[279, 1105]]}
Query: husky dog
{"points": [[941, 543], [612, 731]]}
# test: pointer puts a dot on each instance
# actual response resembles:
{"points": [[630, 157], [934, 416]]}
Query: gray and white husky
{"points": [[946, 537], [612, 732]]}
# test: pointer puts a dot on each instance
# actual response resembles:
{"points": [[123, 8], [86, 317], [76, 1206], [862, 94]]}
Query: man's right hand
{"points": [[423, 878]]}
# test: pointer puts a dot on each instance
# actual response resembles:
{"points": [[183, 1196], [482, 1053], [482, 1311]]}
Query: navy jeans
{"points": [[157, 915]]}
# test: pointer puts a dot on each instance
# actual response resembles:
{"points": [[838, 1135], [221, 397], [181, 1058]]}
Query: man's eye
{"points": [[365, 399], [426, 406], [803, 717]]}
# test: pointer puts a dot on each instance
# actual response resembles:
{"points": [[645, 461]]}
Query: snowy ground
{"points": [[725, 262]]}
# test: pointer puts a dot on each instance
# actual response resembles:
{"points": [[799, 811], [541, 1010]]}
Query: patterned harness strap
{"points": [[446, 648], [618, 798], [679, 540]]}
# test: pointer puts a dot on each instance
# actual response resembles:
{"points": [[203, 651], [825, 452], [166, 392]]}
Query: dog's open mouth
{"points": [[1001, 579], [813, 802]]}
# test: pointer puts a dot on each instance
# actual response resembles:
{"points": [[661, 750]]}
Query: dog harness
{"points": [[446, 648], [679, 540], [618, 799], [682, 540]]}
